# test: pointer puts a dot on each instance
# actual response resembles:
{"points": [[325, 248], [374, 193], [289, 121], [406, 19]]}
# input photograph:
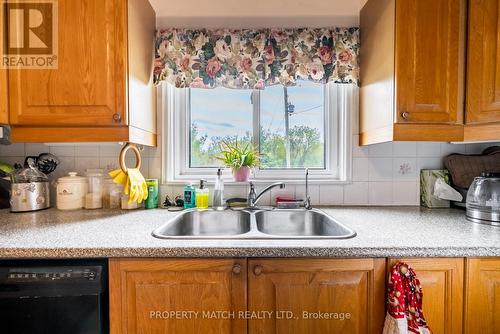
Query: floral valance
{"points": [[254, 59]]}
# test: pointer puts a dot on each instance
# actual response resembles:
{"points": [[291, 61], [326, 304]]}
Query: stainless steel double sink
{"points": [[253, 224]]}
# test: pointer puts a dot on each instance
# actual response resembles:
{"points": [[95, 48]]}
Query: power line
{"points": [[303, 111]]}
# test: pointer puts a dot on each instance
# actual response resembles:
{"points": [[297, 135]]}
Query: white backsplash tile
{"points": [[360, 167], [405, 149], [13, 150], [448, 148], [266, 198], [477, 148], [331, 194], [359, 151], [36, 149], [380, 169], [380, 193], [380, 150], [405, 193], [110, 150], [428, 149], [383, 174], [238, 191], [429, 163], [87, 150], [154, 171], [404, 168], [288, 191], [82, 163], [356, 193], [63, 150], [108, 163], [300, 192]]}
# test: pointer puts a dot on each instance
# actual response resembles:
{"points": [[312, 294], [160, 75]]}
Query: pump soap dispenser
{"points": [[202, 196], [218, 199]]}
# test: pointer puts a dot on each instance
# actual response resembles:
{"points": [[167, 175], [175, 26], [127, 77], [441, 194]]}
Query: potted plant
{"points": [[241, 159]]}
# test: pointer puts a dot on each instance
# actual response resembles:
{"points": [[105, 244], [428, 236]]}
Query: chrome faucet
{"points": [[253, 198], [307, 201]]}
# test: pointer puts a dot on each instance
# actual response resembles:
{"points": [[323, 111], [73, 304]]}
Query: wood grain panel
{"points": [[428, 132], [482, 307], [442, 284], [89, 85], [376, 104], [483, 62], [429, 60], [143, 292], [4, 97], [141, 41], [354, 287]]}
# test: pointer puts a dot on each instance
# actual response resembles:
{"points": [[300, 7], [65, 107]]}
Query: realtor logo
{"points": [[29, 34]]}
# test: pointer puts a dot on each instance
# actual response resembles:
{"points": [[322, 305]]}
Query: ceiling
{"points": [[256, 13]]}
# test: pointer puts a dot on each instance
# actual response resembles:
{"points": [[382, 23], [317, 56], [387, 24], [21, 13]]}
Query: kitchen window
{"points": [[296, 127]]}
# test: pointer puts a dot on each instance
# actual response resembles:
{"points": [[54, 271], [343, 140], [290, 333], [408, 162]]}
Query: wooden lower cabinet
{"points": [[442, 284], [296, 291], [302, 296], [482, 306], [144, 293]]}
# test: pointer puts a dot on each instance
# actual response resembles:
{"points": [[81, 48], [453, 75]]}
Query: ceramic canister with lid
{"points": [[71, 191]]}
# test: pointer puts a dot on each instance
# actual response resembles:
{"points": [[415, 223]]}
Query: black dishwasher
{"points": [[56, 297]]}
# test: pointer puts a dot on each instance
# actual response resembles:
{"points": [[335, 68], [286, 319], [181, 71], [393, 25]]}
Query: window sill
{"points": [[231, 183]]}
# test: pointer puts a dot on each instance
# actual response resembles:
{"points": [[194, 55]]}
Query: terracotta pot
{"points": [[242, 174]]}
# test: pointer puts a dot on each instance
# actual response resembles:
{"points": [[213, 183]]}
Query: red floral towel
{"points": [[404, 301]]}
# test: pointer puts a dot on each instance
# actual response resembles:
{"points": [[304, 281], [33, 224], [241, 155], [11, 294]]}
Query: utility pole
{"points": [[287, 128]]}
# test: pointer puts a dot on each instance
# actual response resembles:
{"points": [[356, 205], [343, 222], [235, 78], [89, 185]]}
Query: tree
{"points": [[307, 150]]}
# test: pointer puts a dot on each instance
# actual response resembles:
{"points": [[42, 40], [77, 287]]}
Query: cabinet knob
{"points": [[236, 269], [257, 270], [117, 117], [405, 115]]}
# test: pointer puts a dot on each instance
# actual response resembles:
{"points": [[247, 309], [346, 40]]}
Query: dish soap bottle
{"points": [[218, 199], [202, 196], [189, 196]]}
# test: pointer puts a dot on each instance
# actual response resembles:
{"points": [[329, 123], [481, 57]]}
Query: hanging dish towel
{"points": [[404, 302]]}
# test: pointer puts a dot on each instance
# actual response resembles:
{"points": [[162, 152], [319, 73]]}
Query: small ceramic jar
{"points": [[71, 191]]}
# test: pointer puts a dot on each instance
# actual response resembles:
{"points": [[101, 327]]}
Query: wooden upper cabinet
{"points": [[442, 285], [102, 88], [483, 62], [428, 55], [350, 292], [4, 103], [144, 293], [412, 70], [482, 307], [483, 71], [88, 87]]}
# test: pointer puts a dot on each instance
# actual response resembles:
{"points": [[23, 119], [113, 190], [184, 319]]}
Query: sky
{"points": [[233, 109]]}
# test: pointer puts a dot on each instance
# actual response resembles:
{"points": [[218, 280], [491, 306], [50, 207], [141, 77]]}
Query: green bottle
{"points": [[152, 200], [189, 196]]}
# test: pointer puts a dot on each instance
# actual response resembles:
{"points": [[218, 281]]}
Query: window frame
{"points": [[339, 104]]}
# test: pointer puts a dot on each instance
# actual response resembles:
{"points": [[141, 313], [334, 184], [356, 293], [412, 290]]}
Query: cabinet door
{"points": [[4, 116], [442, 285], [483, 70], [350, 293], [88, 87], [429, 59], [482, 308], [177, 296]]}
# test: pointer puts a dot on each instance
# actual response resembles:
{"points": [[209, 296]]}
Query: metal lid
{"points": [[490, 174]]}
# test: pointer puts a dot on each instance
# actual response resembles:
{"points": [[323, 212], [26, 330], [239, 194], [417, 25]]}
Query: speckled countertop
{"points": [[381, 232]]}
